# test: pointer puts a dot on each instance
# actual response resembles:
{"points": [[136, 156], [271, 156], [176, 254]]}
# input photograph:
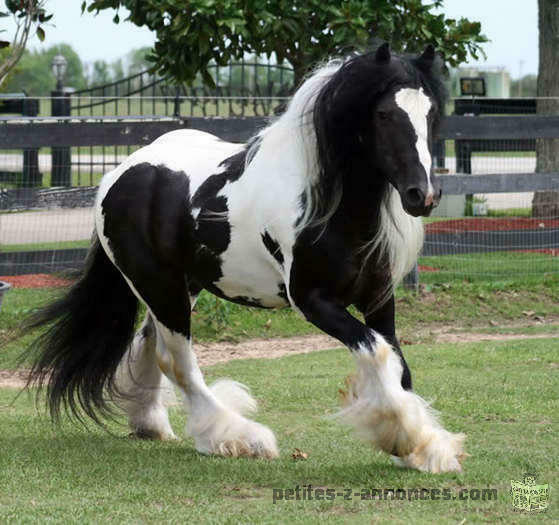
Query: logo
{"points": [[528, 496]]}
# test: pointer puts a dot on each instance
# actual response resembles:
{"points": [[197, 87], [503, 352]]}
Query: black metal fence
{"points": [[241, 89]]}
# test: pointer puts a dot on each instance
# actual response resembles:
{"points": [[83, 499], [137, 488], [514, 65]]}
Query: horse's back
{"points": [[190, 154], [194, 153]]}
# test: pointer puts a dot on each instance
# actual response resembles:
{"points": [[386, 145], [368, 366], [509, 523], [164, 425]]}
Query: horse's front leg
{"points": [[381, 319], [383, 412]]}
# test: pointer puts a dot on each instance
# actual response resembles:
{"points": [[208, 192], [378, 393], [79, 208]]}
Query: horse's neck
{"points": [[359, 209], [287, 151], [283, 154]]}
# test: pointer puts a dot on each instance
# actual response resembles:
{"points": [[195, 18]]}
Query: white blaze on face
{"points": [[417, 105]]}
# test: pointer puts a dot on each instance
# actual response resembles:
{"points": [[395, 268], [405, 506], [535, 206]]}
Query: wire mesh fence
{"points": [[46, 197], [494, 236]]}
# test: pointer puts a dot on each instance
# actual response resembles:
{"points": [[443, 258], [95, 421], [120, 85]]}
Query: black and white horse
{"points": [[319, 211]]}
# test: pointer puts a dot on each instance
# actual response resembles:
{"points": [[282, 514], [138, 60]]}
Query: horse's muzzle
{"points": [[417, 203]]}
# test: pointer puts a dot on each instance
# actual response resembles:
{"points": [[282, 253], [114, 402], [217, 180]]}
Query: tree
{"points": [[190, 35], [28, 16], [136, 60], [34, 75], [117, 69], [527, 86], [101, 73], [546, 203]]}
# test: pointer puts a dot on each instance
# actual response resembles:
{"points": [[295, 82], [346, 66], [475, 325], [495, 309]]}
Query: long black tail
{"points": [[87, 333]]}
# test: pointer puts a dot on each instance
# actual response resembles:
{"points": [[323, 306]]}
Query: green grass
{"points": [[463, 304], [460, 305], [477, 267], [540, 329], [78, 179], [502, 395], [510, 212], [59, 245]]}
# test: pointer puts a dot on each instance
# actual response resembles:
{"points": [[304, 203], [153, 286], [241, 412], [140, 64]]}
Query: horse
{"points": [[320, 210]]}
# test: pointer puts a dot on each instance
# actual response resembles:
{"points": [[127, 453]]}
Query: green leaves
{"points": [[191, 34], [27, 17]]}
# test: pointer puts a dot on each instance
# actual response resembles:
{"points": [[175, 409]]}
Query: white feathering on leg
{"points": [[235, 396], [395, 420], [225, 431]]}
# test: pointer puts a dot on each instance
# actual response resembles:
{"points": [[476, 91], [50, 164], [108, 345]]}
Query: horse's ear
{"points": [[382, 55], [427, 57]]}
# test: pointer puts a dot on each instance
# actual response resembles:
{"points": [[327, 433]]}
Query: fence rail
{"points": [[469, 134], [498, 183], [456, 127], [37, 132]]}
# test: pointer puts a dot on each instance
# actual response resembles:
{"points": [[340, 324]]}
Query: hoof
{"points": [[141, 433], [246, 449]]}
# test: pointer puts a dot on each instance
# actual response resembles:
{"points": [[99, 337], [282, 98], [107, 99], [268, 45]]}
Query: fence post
{"points": [[61, 165], [439, 152], [177, 108], [464, 165], [411, 281], [31, 176]]}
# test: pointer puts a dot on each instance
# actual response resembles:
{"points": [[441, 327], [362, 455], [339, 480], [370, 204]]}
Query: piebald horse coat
{"points": [[319, 211]]}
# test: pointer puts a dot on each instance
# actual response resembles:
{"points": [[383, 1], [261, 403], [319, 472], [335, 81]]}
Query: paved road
{"points": [[14, 162], [46, 226]]}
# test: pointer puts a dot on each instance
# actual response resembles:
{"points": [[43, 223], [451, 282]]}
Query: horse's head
{"points": [[374, 118], [404, 118]]}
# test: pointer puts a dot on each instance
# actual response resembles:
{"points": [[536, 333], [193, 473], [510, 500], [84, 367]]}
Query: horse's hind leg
{"points": [[146, 390], [216, 414]]}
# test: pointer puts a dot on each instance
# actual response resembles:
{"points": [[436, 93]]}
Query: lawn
{"points": [[84, 177], [502, 395], [483, 267], [458, 305], [38, 246]]}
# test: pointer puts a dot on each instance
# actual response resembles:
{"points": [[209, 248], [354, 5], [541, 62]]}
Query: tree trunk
{"points": [[546, 203]]}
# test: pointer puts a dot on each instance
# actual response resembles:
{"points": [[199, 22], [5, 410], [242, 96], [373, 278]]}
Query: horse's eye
{"points": [[382, 115]]}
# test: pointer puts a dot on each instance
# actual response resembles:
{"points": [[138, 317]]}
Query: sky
{"points": [[511, 25]]}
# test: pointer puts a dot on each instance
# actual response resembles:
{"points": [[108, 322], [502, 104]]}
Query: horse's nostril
{"points": [[415, 197]]}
